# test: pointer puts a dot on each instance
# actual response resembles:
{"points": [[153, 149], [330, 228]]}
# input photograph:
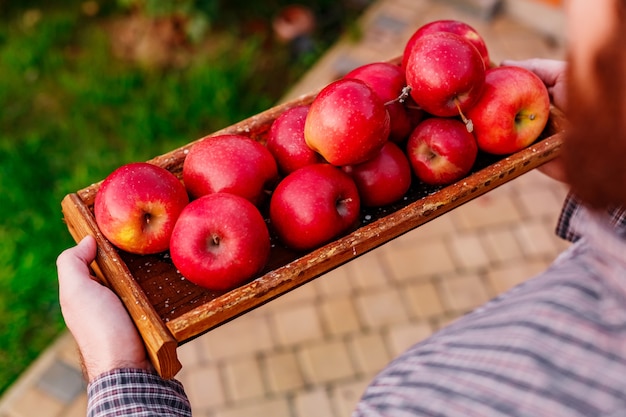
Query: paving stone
{"points": [[282, 371], [204, 387], [468, 251], [369, 271], [537, 15], [381, 307], [339, 315], [271, 407], [302, 294], [462, 293], [346, 395], [326, 362], [62, 382], [243, 380], [501, 245], [435, 229], [420, 261], [485, 9], [78, 408], [189, 354], [334, 283], [443, 321], [297, 324], [35, 402], [68, 351], [423, 299], [507, 276], [403, 336], [242, 336], [539, 201], [486, 211], [537, 240], [315, 403], [369, 352]]}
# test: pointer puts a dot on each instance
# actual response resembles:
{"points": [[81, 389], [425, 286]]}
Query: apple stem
{"points": [[404, 94], [469, 125], [531, 116], [341, 205]]}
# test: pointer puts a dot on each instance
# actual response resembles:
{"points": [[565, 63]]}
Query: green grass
{"points": [[70, 113]]}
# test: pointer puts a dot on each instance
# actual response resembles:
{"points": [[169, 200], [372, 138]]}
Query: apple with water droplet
{"points": [[230, 163], [384, 179], [453, 26], [388, 81], [512, 112], [347, 122], [441, 150], [446, 74], [137, 206], [220, 241], [285, 141], [314, 205]]}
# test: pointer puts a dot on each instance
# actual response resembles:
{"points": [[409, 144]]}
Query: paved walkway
{"points": [[312, 351]]}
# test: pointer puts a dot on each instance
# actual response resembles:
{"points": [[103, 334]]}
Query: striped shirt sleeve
{"points": [[136, 393], [552, 346]]}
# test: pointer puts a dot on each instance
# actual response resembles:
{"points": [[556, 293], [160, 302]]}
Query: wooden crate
{"points": [[169, 310]]}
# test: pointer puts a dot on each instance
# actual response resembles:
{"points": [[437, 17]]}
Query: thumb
{"points": [[73, 263]]}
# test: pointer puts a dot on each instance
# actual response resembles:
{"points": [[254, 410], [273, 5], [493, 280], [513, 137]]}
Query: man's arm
{"points": [[121, 379]]}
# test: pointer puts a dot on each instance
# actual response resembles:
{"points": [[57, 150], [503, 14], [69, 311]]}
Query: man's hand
{"points": [[553, 74], [105, 334]]}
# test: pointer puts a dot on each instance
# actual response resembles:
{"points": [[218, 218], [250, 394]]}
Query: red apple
{"points": [[314, 205], [137, 206], [384, 179], [441, 150], [347, 122], [512, 112], [230, 163], [445, 72], [387, 81], [453, 26], [285, 141], [220, 241]]}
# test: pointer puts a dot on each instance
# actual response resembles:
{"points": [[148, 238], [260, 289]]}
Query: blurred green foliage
{"points": [[70, 113]]}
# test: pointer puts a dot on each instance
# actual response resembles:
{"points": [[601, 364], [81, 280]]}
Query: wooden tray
{"points": [[169, 310]]}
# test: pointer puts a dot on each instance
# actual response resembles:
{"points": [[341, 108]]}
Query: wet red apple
{"points": [[446, 74], [347, 123], [313, 205], [388, 81], [285, 141], [453, 26], [384, 179], [512, 112], [441, 150]]}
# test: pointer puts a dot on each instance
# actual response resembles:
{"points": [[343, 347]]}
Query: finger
{"points": [[74, 262], [549, 70]]}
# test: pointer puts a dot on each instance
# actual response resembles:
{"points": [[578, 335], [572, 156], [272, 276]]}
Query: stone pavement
{"points": [[312, 351]]}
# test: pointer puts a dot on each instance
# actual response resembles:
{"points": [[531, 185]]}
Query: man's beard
{"points": [[594, 153]]}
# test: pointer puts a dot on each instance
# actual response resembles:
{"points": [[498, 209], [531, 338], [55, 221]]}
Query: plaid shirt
{"points": [[553, 346], [137, 393], [571, 209]]}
